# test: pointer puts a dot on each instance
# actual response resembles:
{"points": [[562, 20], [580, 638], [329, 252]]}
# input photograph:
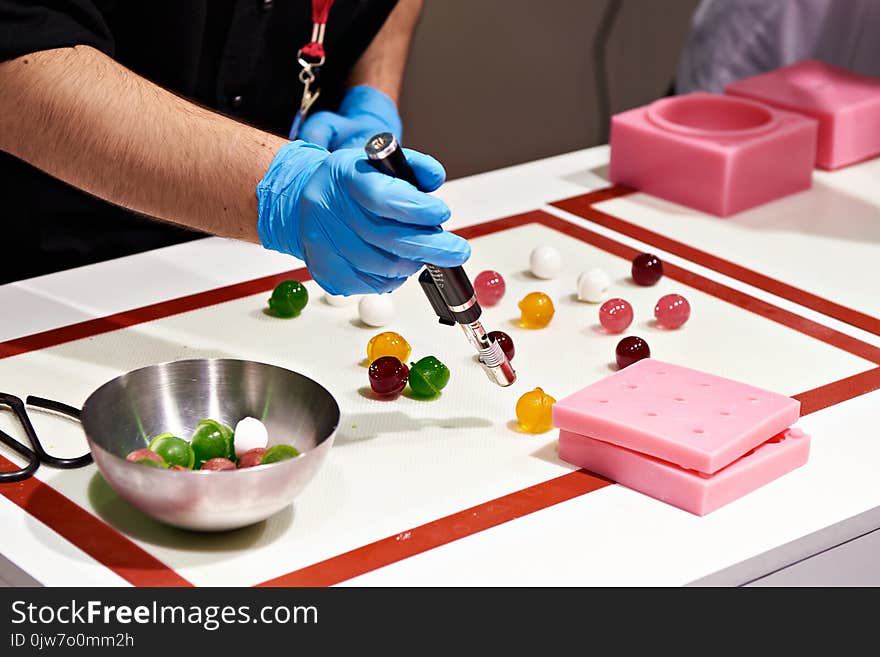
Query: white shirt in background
{"points": [[734, 39]]}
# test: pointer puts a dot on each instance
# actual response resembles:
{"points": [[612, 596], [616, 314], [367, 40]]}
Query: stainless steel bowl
{"points": [[125, 413]]}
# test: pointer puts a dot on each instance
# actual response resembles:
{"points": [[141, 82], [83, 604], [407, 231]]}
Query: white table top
{"points": [[412, 473]]}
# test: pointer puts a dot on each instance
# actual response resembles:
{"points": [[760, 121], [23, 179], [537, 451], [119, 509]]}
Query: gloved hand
{"points": [[364, 112], [358, 230]]}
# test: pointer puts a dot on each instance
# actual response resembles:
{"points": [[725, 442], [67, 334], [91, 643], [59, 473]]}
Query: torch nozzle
{"points": [[492, 358]]}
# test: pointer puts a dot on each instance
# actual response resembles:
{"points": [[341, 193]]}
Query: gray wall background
{"points": [[491, 83]]}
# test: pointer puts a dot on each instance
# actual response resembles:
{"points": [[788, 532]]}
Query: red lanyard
{"points": [[314, 51], [315, 47]]}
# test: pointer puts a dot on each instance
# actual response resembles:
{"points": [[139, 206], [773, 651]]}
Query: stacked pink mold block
{"points": [[846, 105], [691, 439], [711, 152]]}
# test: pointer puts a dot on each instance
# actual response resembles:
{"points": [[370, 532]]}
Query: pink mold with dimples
{"points": [[695, 420], [692, 491], [846, 105], [711, 152]]}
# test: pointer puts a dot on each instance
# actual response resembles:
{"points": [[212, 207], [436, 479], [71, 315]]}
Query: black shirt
{"points": [[236, 56]]}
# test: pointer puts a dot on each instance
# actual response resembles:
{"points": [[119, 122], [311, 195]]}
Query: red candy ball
{"points": [[144, 453], [388, 376], [218, 463], [489, 286], [672, 311], [631, 349], [251, 457], [504, 341], [615, 315], [647, 269]]}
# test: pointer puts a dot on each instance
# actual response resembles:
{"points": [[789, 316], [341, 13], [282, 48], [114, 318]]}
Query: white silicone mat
{"points": [[399, 464]]}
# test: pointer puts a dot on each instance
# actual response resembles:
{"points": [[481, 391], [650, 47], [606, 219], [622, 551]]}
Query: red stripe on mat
{"points": [[87, 532], [442, 531], [839, 391], [582, 206], [143, 314]]}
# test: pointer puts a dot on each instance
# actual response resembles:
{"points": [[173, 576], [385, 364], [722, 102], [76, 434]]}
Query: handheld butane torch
{"points": [[448, 288]]}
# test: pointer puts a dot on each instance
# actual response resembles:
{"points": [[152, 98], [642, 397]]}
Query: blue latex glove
{"points": [[364, 112], [358, 230]]}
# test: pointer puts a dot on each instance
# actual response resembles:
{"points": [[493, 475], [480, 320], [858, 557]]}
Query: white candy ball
{"points": [[340, 301], [545, 262], [249, 434], [376, 309], [593, 285]]}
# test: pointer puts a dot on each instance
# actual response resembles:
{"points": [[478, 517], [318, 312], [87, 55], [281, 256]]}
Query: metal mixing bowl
{"points": [[125, 413]]}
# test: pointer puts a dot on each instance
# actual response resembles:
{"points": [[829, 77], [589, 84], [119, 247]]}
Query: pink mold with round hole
{"points": [[846, 105], [712, 152]]}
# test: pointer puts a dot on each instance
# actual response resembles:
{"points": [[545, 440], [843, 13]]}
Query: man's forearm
{"points": [[382, 65], [82, 117]]}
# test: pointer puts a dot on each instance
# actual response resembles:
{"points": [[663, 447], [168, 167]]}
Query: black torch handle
{"points": [[390, 159], [452, 284]]}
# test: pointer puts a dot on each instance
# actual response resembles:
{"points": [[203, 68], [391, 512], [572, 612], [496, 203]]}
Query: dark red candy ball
{"points": [[504, 341], [631, 349], [388, 376], [647, 269]]}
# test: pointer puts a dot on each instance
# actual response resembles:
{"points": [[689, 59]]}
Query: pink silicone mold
{"points": [[690, 418], [715, 153], [692, 491], [847, 106]]}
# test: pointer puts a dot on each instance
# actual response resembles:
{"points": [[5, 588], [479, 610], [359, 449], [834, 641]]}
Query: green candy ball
{"points": [[428, 377], [174, 450], [210, 440], [288, 299], [279, 453]]}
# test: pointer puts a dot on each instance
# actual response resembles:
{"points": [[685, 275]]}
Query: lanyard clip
{"points": [[310, 57], [307, 77]]}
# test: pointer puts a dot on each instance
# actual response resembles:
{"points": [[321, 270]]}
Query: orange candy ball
{"points": [[388, 343], [534, 411], [536, 310]]}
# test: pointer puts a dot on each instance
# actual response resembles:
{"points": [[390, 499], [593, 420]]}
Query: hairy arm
{"points": [[82, 117], [382, 65]]}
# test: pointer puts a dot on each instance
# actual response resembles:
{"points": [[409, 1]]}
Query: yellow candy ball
{"points": [[534, 411], [536, 310], [388, 343]]}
